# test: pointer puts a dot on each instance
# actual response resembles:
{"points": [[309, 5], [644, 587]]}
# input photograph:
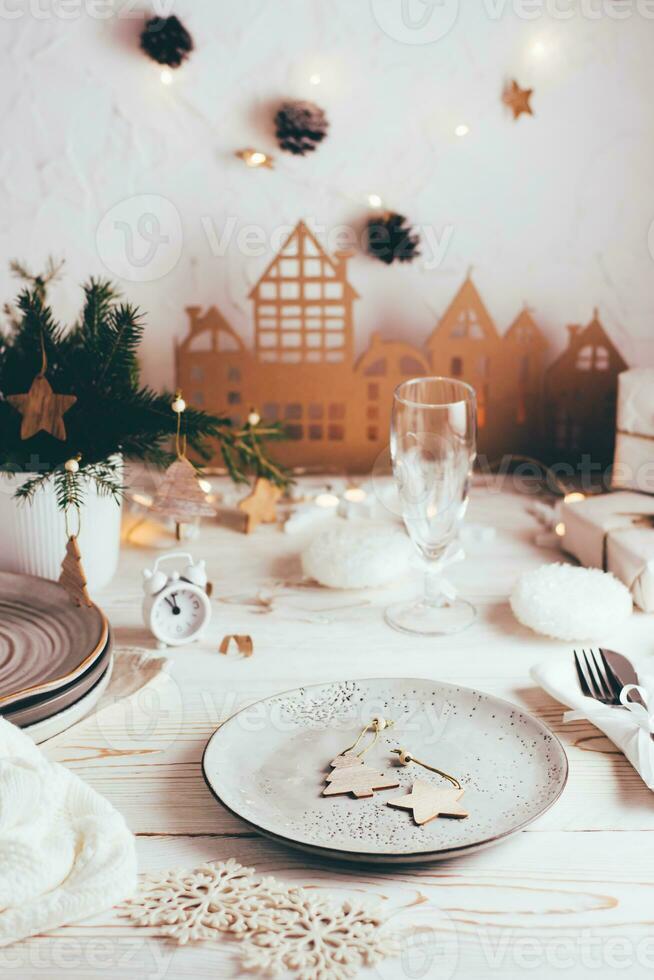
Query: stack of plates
{"points": [[55, 657]]}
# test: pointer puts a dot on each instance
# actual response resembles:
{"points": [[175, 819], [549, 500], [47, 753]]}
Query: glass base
{"points": [[431, 619]]}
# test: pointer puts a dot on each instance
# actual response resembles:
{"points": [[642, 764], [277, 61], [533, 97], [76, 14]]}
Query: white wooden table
{"points": [[571, 895]]}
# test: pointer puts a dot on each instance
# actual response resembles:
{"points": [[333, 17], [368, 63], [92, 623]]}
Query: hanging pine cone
{"points": [[390, 237], [300, 126], [166, 40]]}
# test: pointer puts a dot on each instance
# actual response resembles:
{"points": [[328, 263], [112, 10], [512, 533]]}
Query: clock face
{"points": [[178, 614]]}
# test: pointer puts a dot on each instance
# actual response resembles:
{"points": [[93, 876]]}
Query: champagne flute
{"points": [[433, 448]]}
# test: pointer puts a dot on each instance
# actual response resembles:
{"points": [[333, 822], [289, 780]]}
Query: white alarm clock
{"points": [[176, 607]]}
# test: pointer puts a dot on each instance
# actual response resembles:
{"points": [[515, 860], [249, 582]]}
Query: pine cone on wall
{"points": [[300, 126], [166, 40], [390, 237]]}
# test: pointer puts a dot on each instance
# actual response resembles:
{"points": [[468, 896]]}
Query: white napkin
{"points": [[65, 853], [629, 727]]}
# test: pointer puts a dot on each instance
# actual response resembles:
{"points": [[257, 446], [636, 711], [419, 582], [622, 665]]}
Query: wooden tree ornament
{"points": [[72, 576], [260, 506], [351, 775], [179, 494]]}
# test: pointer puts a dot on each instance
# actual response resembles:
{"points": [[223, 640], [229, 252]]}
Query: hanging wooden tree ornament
{"points": [[260, 506], [180, 495], [352, 775], [72, 576], [41, 408]]}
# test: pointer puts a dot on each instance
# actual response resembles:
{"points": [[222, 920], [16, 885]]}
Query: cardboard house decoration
{"points": [[336, 408], [581, 394]]}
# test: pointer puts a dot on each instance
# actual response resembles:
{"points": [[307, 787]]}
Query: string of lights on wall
{"points": [[301, 125]]}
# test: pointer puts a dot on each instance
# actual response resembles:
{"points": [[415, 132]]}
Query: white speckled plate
{"points": [[267, 764]]}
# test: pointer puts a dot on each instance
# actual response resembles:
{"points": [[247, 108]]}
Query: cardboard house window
{"points": [[592, 358], [233, 374], [467, 325], [456, 367], [411, 366]]}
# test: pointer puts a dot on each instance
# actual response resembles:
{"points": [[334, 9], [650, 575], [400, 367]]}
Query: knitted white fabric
{"points": [[65, 853]]}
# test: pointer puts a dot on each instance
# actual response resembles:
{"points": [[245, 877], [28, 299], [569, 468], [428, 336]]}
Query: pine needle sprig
{"points": [[115, 414]]}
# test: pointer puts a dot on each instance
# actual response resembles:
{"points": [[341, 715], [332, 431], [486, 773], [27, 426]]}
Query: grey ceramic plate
{"points": [[267, 764], [49, 727], [46, 641], [42, 706]]}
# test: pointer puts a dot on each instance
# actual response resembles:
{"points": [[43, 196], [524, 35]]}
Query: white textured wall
{"points": [[555, 209]]}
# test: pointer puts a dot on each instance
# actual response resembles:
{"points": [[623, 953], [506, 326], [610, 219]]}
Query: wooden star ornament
{"points": [[259, 506], [517, 99], [42, 409], [427, 802]]}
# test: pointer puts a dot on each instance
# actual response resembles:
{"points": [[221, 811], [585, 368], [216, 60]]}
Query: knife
{"points": [[624, 671]]}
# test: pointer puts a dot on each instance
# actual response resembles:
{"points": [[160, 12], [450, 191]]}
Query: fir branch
{"points": [[97, 361]]}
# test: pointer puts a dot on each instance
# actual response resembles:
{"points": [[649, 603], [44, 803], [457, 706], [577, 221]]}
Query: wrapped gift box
{"points": [[615, 531], [633, 465]]}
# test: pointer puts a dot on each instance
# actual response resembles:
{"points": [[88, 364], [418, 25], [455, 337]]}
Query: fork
{"points": [[598, 681]]}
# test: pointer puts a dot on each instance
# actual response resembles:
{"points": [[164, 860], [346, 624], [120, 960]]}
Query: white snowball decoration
{"points": [[570, 603], [357, 557]]}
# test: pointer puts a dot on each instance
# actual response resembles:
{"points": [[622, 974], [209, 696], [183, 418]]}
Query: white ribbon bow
{"points": [[631, 731], [437, 583]]}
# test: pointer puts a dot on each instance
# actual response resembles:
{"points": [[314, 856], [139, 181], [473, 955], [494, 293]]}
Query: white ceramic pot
{"points": [[33, 533]]}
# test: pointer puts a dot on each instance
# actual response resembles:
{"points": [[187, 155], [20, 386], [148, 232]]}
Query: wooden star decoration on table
{"points": [[351, 775], [427, 802], [517, 99], [260, 506], [42, 409]]}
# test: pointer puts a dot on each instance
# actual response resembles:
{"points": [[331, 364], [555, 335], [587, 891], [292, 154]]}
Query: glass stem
{"points": [[433, 592]]}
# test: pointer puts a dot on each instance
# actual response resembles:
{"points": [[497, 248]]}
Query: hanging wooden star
{"points": [[42, 409], [260, 505], [72, 574], [427, 801], [351, 775], [517, 99]]}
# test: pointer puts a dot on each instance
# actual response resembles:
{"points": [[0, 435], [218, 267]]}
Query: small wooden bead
{"points": [[179, 405], [405, 757], [71, 466], [379, 723]]}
